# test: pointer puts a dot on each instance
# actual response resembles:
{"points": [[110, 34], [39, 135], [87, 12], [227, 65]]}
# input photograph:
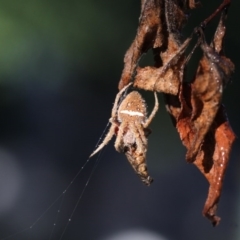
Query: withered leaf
{"points": [[159, 29], [149, 34], [212, 161], [195, 108], [202, 122], [168, 77], [213, 73]]}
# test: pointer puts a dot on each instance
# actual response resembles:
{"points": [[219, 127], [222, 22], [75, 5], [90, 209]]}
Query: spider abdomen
{"points": [[132, 108]]}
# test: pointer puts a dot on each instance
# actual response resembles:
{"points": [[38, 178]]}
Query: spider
{"points": [[130, 124]]}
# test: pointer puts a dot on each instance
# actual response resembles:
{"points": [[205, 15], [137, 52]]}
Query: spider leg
{"points": [[140, 138], [115, 106], [119, 140], [111, 131], [154, 111], [107, 138]]}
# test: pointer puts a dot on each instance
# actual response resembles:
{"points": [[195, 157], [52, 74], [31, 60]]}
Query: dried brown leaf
{"points": [[159, 29], [195, 108], [213, 73], [202, 122], [213, 159], [167, 78], [149, 35]]}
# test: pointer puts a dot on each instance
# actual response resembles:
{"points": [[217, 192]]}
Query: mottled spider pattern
{"points": [[130, 123]]}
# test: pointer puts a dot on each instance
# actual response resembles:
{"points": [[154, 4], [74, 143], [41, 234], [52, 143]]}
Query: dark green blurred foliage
{"points": [[60, 63]]}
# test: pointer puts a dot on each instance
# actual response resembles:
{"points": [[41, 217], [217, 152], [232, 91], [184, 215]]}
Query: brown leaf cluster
{"points": [[195, 107]]}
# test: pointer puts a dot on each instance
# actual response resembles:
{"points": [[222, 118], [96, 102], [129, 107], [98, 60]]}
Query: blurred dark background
{"points": [[60, 63]]}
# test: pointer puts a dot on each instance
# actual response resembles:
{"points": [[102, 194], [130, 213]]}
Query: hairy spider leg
{"points": [[111, 131], [154, 111], [140, 132], [106, 140], [141, 141], [116, 105], [119, 139]]}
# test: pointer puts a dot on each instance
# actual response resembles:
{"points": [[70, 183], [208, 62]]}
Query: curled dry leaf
{"points": [[213, 73], [207, 88], [202, 123], [149, 34], [166, 78], [159, 29], [213, 159], [195, 107]]}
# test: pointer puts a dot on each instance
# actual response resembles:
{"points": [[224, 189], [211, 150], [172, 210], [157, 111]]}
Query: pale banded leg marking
{"points": [[154, 111]]}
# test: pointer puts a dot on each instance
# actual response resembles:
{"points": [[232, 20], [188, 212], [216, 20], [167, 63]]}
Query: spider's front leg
{"points": [[107, 138], [153, 113], [113, 120], [121, 142]]}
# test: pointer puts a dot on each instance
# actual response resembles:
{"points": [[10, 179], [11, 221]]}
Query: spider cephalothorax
{"points": [[130, 124]]}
